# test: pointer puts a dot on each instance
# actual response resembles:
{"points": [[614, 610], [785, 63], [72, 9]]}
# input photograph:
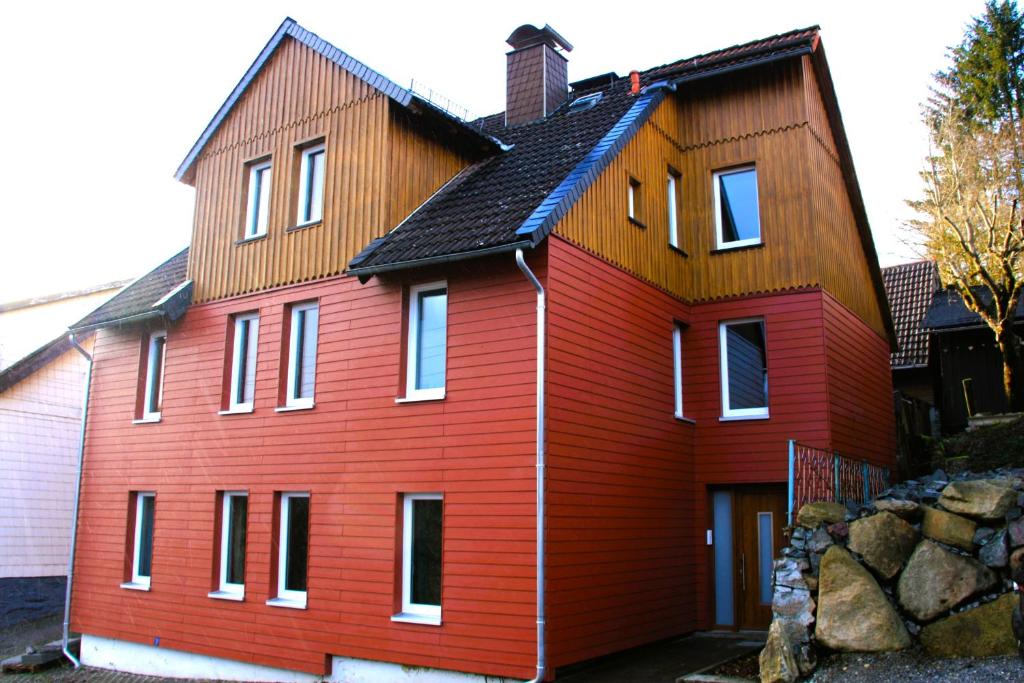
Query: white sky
{"points": [[102, 101]]}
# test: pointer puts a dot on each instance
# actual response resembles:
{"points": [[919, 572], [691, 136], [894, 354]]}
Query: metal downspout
{"points": [[74, 513], [541, 306]]}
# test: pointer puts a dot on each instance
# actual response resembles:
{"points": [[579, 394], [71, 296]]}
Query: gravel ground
{"points": [[913, 666]]}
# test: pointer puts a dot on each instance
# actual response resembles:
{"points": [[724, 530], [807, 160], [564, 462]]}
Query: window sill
{"points": [[637, 223], [407, 618], [226, 595], [687, 420], [132, 586], [254, 238], [299, 406], [424, 396], [239, 410], [725, 248], [738, 418], [303, 226], [149, 419], [286, 602], [678, 251]]}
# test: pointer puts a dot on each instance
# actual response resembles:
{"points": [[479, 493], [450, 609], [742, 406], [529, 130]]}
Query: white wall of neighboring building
{"points": [[40, 423]]}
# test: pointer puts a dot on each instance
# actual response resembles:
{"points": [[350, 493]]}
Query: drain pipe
{"points": [[74, 513], [541, 659]]}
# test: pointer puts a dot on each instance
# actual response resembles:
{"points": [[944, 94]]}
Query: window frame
{"points": [[760, 413], [634, 201], [720, 242], [236, 378], [412, 392], [257, 220], [293, 382], [677, 369], [139, 581], [673, 182], [149, 415], [283, 596], [413, 611], [304, 206], [226, 589]]}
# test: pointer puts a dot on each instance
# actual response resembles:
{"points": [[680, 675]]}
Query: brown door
{"points": [[759, 513]]}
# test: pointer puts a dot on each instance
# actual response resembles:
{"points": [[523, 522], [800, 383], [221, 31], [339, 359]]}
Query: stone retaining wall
{"points": [[929, 561]]}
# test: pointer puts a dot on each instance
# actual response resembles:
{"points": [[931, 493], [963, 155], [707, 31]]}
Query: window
{"points": [[634, 201], [672, 196], [302, 355], [257, 200], [421, 558], [677, 368], [311, 185], [234, 513], [428, 341], [736, 211], [243, 363], [141, 541], [293, 551], [744, 369], [153, 392]]}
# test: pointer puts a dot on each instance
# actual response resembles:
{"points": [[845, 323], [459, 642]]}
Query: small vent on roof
{"points": [[585, 103]]}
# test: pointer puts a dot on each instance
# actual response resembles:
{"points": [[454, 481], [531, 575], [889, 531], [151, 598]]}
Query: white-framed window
{"points": [[744, 361], [154, 396], [737, 215], [233, 526], [311, 185], [677, 368], [302, 355], [257, 199], [293, 551], [672, 203], [422, 522], [142, 541], [633, 200], [427, 351], [243, 362]]}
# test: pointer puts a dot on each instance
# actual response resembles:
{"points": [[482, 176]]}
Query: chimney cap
{"points": [[529, 35]]}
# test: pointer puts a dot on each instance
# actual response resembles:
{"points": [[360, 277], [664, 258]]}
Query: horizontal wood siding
{"points": [[620, 469], [355, 452], [859, 387], [377, 170], [766, 117]]}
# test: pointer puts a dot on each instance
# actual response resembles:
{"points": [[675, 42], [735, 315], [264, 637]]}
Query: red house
{"points": [[324, 440]]}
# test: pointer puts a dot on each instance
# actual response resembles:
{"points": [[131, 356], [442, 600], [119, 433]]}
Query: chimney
{"points": [[538, 77]]}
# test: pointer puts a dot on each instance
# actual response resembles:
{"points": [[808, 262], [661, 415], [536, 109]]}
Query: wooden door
{"points": [[759, 513]]}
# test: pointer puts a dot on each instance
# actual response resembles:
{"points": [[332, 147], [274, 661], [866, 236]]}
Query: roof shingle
{"points": [[909, 288]]}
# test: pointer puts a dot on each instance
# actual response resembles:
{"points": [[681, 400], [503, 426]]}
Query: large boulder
{"points": [[884, 541], [777, 660], [813, 514], [907, 509], [980, 632], [937, 580], [948, 528], [853, 613], [978, 499]]}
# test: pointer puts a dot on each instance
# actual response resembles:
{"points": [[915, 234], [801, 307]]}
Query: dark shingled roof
{"points": [[146, 298], [515, 198], [948, 311], [909, 288], [33, 361]]}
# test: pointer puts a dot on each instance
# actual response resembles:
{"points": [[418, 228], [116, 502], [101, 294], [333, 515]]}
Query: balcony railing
{"points": [[816, 474]]}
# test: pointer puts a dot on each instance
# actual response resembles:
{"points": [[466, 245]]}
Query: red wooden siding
{"points": [[356, 452], [860, 387], [620, 492]]}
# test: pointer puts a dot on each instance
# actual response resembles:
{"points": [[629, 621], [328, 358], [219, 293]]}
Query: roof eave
{"points": [[365, 273]]}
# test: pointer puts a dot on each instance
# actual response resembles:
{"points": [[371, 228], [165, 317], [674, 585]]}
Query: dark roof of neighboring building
{"points": [[909, 288], [948, 311], [435, 116], [33, 361], [514, 198], [164, 292]]}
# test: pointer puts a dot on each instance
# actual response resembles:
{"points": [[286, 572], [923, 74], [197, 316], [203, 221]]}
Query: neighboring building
{"points": [[327, 462], [42, 380], [909, 288], [970, 366]]}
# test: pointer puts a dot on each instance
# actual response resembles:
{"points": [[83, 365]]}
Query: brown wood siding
{"points": [[378, 169], [760, 117]]}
